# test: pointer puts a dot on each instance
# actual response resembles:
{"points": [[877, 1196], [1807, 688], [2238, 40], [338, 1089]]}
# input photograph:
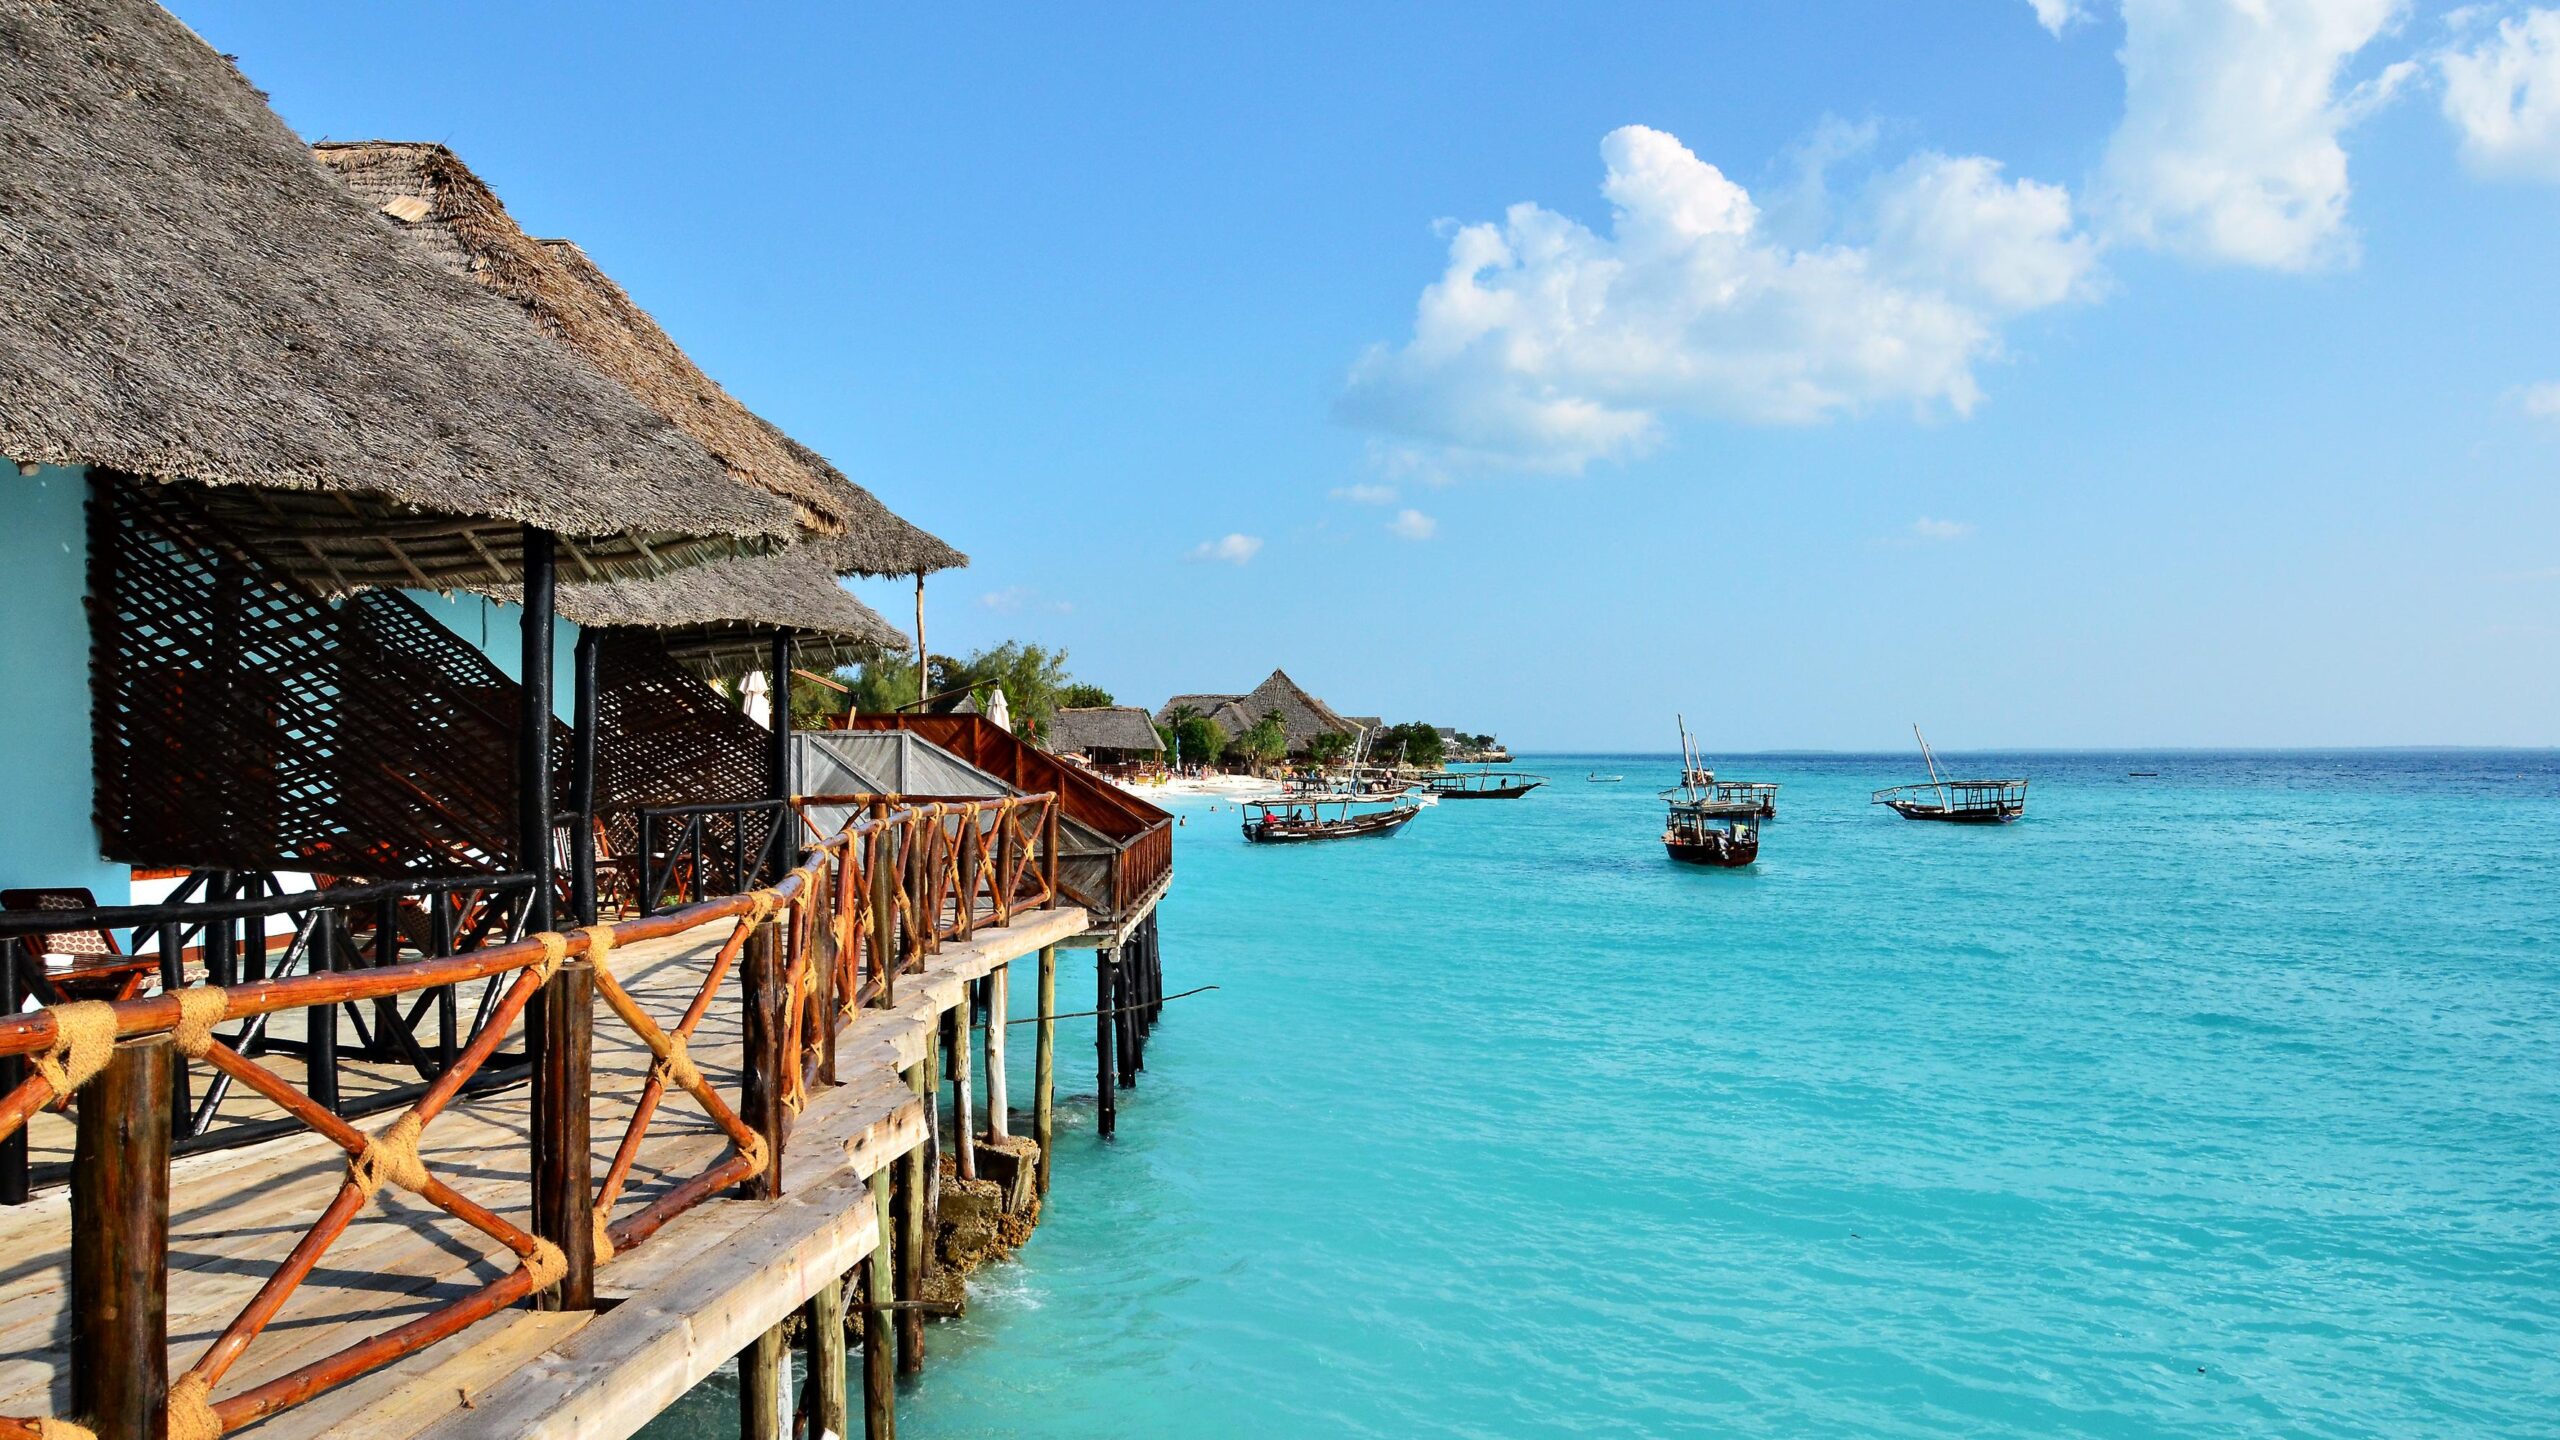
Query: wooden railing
{"points": [[865, 904]]}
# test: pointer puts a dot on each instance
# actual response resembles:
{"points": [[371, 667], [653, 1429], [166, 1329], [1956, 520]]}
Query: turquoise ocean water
{"points": [[2218, 1103]]}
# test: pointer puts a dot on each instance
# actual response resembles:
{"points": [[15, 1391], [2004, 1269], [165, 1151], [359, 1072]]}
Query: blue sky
{"points": [[2162, 374]]}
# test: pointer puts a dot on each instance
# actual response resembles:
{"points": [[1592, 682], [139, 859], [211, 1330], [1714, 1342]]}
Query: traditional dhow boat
{"points": [[1960, 802], [1694, 837], [1703, 827], [1481, 784], [1733, 799], [1289, 822]]}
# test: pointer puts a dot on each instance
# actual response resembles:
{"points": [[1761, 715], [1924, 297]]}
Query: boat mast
{"points": [[1932, 762]]}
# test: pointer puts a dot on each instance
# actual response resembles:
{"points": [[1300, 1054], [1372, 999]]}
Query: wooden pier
{"points": [[568, 1255]]}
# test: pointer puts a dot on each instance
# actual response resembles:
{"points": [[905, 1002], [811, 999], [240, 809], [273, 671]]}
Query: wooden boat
{"points": [[1704, 828], [1956, 802], [1695, 839], [1729, 799], [1481, 784], [1289, 822]]}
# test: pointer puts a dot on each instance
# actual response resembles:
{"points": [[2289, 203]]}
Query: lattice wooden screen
{"points": [[665, 738], [240, 723]]}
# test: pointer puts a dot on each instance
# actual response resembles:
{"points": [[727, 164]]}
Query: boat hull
{"points": [[1508, 792], [1914, 810], [1720, 853], [1267, 832]]}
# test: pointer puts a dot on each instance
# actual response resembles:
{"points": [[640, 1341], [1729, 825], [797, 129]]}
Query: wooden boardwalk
{"points": [[669, 1312]]}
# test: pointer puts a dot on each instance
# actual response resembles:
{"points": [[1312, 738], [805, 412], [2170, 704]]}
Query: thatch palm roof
{"points": [[1302, 715], [184, 296], [721, 613], [427, 191], [1102, 727]]}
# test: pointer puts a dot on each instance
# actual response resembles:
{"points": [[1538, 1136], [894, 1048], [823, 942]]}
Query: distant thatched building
{"points": [[1106, 735], [1303, 717]]}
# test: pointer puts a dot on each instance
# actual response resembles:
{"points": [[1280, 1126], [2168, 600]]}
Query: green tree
{"points": [[1414, 744], [1202, 740], [1033, 677], [1083, 695], [882, 685], [1266, 742], [1329, 749]]}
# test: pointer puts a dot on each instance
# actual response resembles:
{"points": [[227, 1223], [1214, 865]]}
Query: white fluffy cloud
{"points": [[1228, 549], [1366, 494], [1547, 345], [2229, 146], [1940, 531], [2542, 401], [2503, 96], [2055, 14], [1413, 525]]}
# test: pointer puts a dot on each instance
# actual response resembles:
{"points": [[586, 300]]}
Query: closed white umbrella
{"points": [[757, 692], [998, 711]]}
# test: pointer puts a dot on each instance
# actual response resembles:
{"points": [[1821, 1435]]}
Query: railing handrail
{"points": [[133, 917]]}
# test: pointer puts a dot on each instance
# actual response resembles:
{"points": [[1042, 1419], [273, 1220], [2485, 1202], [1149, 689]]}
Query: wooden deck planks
{"points": [[236, 1214]]}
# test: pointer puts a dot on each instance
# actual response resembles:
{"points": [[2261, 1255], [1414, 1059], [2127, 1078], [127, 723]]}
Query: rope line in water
{"points": [[1081, 1014]]}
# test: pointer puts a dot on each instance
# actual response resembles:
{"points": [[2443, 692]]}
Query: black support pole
{"points": [[582, 784], [778, 757], [533, 733]]}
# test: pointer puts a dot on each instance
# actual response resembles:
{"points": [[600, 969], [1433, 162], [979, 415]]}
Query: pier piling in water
{"points": [[999, 1101], [1106, 1024], [1044, 1064], [909, 1259], [879, 1350], [822, 1351], [761, 1383], [964, 1139]]}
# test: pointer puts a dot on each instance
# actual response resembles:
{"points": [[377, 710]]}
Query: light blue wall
{"points": [[495, 629], [46, 784]]}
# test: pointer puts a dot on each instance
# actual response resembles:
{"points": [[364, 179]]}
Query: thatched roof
{"points": [[184, 296], [1102, 727], [1302, 715], [427, 191], [722, 612]]}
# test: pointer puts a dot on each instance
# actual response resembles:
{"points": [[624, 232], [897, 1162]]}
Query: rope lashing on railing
{"points": [[555, 948], [199, 1010], [600, 946], [546, 1264], [392, 1154], [675, 1069], [191, 1414], [758, 1155], [601, 1236], [48, 1428], [84, 1039]]}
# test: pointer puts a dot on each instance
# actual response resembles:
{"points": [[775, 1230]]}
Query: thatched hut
{"points": [[1303, 717], [723, 614], [1107, 735], [184, 297]]}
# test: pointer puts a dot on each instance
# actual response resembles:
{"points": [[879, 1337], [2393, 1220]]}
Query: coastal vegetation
{"points": [[1413, 743]]}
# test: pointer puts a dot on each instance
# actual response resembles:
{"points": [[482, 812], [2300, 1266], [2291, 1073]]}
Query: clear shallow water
{"points": [[2222, 1102]]}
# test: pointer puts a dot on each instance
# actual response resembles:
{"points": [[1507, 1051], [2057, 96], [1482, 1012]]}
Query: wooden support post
{"points": [[822, 1353], [879, 1349], [911, 1236], [562, 1027], [970, 860], [582, 779], [932, 1132], [120, 1244], [1106, 1024], [762, 1382], [761, 1081], [999, 1000], [924, 667], [1044, 1063], [883, 875], [14, 1179], [1127, 988], [533, 730], [823, 975], [964, 1130]]}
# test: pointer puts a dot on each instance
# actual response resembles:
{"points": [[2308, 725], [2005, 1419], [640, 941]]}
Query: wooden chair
{"points": [[97, 967]]}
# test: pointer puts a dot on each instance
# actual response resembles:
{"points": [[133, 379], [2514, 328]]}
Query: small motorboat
{"points": [[1289, 822], [1596, 778]]}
